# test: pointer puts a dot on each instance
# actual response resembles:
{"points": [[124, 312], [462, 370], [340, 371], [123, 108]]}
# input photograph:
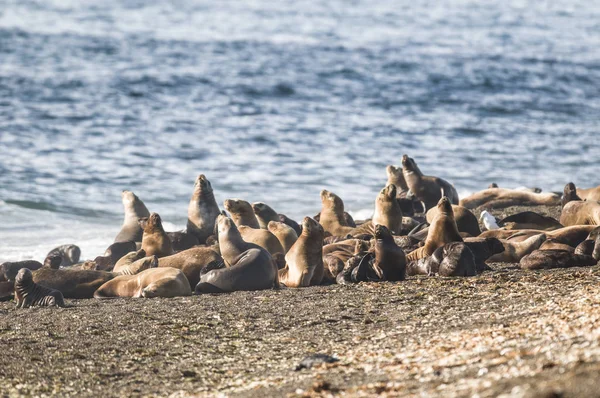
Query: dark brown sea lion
{"points": [[262, 237], [202, 210], [288, 221], [153, 282], [30, 294], [529, 220], [69, 254], [9, 269], [590, 247], [465, 220], [182, 240], [190, 262], [426, 188], [53, 261], [332, 215], [241, 213], [452, 259], [264, 213], [134, 210], [546, 259], [286, 234], [390, 260], [515, 251], [111, 255], [499, 198], [482, 249], [155, 240], [442, 230], [569, 194], [304, 261]]}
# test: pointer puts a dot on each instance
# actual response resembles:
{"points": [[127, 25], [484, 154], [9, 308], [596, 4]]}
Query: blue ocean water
{"points": [[276, 100]]}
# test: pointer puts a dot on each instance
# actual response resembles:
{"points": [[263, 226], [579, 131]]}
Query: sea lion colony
{"points": [[419, 227]]}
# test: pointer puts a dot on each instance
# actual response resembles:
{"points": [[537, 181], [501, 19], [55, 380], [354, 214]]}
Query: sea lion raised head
{"points": [[304, 260], [396, 177], [241, 213], [53, 261], [332, 200], [387, 209], [264, 213], [409, 165], [445, 207], [569, 194], [134, 209], [155, 240], [202, 210], [332, 216]]}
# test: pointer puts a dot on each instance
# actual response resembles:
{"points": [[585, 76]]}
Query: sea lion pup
{"points": [[547, 259], [202, 210], [426, 188], [155, 240], [465, 220], [390, 260], [264, 214], [332, 215], [153, 282], [30, 294], [590, 194], [182, 240], [529, 220], [190, 262], [262, 237], [69, 254], [288, 221], [515, 251], [81, 283], [53, 261], [286, 234], [442, 230], [241, 213], [499, 198], [304, 261], [134, 210], [452, 259]]}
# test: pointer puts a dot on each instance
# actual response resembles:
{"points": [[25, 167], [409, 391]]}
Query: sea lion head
{"points": [[128, 197], [393, 172], [408, 164], [133, 204], [493, 185], [24, 276], [329, 199], [53, 261], [224, 224], [151, 224], [382, 233], [387, 194], [261, 208], [143, 264], [444, 206], [311, 227], [202, 185], [238, 206]]}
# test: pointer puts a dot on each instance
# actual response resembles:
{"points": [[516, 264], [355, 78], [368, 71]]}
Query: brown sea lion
{"points": [[332, 215], [202, 210], [387, 212], [426, 188], [571, 236], [335, 255], [442, 230], [182, 240], [546, 259], [264, 214], [482, 249], [69, 254], [288, 221], [390, 260], [569, 194], [128, 259], [30, 294], [262, 237], [286, 234], [580, 213], [499, 198], [155, 240], [465, 220], [304, 261], [190, 262], [134, 210], [590, 247], [10, 269], [241, 213], [590, 194], [53, 261], [529, 220], [452, 259], [553, 244], [395, 176], [112, 254], [153, 282], [515, 251]]}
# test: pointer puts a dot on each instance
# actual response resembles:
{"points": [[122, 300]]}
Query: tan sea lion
{"points": [[134, 210], [241, 213], [442, 230], [153, 282], [202, 210], [286, 234], [30, 294], [426, 188], [155, 240], [395, 177], [499, 198], [264, 214], [387, 210], [515, 251], [262, 237], [547, 259], [589, 194], [128, 259], [465, 220], [332, 215], [190, 262], [578, 212], [69, 254], [304, 261]]}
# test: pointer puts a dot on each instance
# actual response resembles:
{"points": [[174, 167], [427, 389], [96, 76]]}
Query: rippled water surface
{"points": [[276, 100]]}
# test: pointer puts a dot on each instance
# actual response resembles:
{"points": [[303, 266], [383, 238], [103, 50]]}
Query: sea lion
{"points": [[190, 262], [569, 195], [335, 255], [69, 254], [571, 236], [590, 194], [590, 247], [442, 230], [128, 259], [155, 240], [465, 220], [482, 249], [529, 220], [426, 188], [390, 260], [134, 210], [153, 282], [9, 269], [241, 213], [452, 259], [53, 261], [515, 251], [553, 244], [286, 234], [30, 294], [113, 254], [288, 221], [182, 240], [387, 212], [304, 261], [580, 213], [202, 210], [547, 259], [81, 283], [499, 198], [332, 215], [264, 214], [395, 176], [262, 237]]}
